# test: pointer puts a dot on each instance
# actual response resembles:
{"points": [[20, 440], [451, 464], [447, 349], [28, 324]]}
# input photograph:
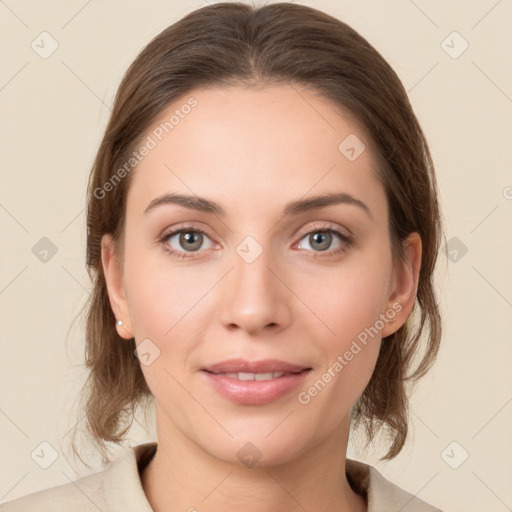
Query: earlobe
{"points": [[405, 284], [114, 279]]}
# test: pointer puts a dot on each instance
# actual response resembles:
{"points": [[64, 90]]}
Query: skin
{"points": [[253, 150]]}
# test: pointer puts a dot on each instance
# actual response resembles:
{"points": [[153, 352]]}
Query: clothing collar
{"points": [[381, 494]]}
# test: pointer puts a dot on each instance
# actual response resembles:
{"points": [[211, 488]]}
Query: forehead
{"points": [[255, 145]]}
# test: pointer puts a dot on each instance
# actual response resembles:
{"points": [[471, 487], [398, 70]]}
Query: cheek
{"points": [[166, 309], [346, 299], [349, 349], [349, 306], [170, 306], [162, 296], [332, 394]]}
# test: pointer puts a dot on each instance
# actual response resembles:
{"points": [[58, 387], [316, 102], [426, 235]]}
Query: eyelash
{"points": [[346, 241]]}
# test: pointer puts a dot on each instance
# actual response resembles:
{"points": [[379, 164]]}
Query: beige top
{"points": [[117, 488]]}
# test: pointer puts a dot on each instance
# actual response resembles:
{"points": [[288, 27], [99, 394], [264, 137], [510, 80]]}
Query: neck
{"points": [[181, 476]]}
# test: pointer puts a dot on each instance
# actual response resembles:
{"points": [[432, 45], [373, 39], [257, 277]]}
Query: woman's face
{"points": [[263, 277]]}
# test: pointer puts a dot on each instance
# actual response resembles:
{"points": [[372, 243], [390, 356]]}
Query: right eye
{"points": [[184, 242]]}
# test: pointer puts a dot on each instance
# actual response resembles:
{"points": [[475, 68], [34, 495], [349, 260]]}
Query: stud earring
{"points": [[119, 323]]}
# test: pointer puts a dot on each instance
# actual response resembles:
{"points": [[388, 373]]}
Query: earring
{"points": [[119, 323]]}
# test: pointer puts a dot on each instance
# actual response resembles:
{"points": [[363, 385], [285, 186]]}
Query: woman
{"points": [[240, 139]]}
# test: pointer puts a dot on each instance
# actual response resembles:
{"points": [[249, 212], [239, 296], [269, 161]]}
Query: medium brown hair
{"points": [[236, 43]]}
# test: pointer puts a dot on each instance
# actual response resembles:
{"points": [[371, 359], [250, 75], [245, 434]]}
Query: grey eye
{"points": [[319, 240], [188, 240]]}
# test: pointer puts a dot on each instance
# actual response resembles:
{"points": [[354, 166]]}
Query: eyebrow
{"points": [[292, 208]]}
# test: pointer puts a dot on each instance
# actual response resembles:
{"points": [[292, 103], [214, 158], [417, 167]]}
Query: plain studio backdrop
{"points": [[61, 65]]}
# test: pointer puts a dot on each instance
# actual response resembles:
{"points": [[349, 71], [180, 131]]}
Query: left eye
{"points": [[321, 239]]}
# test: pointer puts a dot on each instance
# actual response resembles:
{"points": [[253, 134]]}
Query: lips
{"points": [[253, 376], [254, 382], [265, 366]]}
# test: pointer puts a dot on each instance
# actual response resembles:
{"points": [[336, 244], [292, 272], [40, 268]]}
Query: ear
{"points": [[113, 272], [404, 285]]}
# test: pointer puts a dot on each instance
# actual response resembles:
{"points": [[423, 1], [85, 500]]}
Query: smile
{"points": [[254, 383]]}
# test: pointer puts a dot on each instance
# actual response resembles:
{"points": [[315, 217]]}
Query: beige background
{"points": [[54, 111]]}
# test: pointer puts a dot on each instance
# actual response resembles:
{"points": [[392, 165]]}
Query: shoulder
{"points": [[382, 494], [84, 494], [115, 488]]}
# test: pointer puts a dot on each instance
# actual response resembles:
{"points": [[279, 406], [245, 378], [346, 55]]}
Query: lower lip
{"points": [[255, 392]]}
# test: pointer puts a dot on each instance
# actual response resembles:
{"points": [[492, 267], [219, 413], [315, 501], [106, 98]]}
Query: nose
{"points": [[256, 298]]}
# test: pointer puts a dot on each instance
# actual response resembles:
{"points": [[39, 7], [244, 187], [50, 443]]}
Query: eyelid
{"points": [[326, 226], [167, 233]]}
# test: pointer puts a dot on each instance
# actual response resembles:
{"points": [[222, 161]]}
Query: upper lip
{"points": [[263, 366]]}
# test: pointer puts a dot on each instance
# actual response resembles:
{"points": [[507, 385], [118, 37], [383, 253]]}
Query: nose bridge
{"points": [[255, 297]]}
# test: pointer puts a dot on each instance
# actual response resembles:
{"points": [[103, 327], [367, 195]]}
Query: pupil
{"points": [[322, 236], [190, 237]]}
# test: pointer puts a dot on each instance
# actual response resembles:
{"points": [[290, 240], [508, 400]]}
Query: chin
{"points": [[257, 445]]}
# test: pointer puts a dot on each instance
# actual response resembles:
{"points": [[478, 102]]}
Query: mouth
{"points": [[254, 367], [252, 376], [254, 383]]}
